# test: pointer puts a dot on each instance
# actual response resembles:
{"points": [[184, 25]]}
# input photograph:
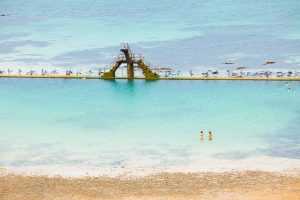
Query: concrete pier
{"points": [[160, 78]]}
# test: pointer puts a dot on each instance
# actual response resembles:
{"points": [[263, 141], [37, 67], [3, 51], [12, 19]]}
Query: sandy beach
{"points": [[226, 185]]}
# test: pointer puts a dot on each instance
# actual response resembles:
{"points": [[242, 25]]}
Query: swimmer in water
{"points": [[290, 90], [286, 84], [201, 135], [209, 135]]}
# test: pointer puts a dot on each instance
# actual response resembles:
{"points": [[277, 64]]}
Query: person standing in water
{"points": [[201, 136], [209, 135]]}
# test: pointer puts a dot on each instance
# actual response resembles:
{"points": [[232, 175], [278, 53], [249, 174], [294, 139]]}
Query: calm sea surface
{"points": [[191, 34], [56, 124]]}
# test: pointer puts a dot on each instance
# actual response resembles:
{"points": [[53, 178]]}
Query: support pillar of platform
{"points": [[130, 70]]}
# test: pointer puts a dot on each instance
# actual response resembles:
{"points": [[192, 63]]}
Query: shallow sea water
{"points": [[98, 126]]}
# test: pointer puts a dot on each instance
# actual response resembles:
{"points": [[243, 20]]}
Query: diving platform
{"points": [[132, 61]]}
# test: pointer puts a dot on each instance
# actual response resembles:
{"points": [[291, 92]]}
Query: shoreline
{"points": [[204, 185], [161, 78], [258, 163]]}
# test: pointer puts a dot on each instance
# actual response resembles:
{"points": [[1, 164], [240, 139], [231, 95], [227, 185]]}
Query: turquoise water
{"points": [[154, 125], [117, 126], [192, 34]]}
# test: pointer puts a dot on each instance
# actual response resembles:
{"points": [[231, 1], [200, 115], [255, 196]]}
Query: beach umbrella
{"points": [[9, 71], [169, 69], [241, 68], [156, 69]]}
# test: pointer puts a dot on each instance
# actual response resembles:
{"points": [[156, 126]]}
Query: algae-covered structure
{"points": [[132, 61]]}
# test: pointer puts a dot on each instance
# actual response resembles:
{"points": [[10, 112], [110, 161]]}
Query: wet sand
{"points": [[164, 186]]}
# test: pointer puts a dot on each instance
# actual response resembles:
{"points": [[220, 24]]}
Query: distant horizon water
{"points": [[185, 35]]}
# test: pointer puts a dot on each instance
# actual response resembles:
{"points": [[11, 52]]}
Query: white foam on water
{"points": [[261, 163]]}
